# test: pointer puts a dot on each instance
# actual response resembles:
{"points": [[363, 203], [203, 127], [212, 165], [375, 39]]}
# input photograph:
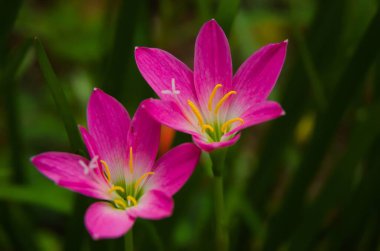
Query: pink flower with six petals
{"points": [[122, 171], [211, 104]]}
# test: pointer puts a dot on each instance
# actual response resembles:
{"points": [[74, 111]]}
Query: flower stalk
{"points": [[129, 241], [221, 228]]}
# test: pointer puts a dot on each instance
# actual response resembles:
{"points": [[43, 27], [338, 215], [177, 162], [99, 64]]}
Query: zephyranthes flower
{"points": [[211, 104], [122, 171]]}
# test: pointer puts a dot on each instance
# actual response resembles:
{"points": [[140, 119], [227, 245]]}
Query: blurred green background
{"points": [[307, 181]]}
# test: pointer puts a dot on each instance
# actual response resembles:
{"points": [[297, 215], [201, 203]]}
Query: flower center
{"points": [[215, 130], [125, 195]]}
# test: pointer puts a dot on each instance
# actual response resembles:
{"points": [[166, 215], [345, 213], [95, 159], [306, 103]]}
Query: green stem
{"points": [[129, 241], [221, 231]]}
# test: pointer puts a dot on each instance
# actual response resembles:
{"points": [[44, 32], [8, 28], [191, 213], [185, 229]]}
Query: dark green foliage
{"points": [[307, 181]]}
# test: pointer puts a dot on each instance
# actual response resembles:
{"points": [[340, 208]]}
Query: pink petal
{"points": [[66, 171], [104, 221], [212, 63], [257, 76], [259, 113], [209, 147], [174, 168], [159, 68], [144, 138], [89, 142], [153, 205], [108, 124], [169, 114]]}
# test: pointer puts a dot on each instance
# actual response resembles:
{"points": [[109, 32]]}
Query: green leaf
{"points": [[58, 200], [327, 123], [60, 99], [341, 181]]}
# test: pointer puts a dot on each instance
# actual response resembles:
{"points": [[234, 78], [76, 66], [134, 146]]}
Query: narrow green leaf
{"points": [[346, 90], [59, 200], [365, 197], [8, 15], [9, 91], [75, 227], [115, 78], [336, 187], [59, 98], [322, 41]]}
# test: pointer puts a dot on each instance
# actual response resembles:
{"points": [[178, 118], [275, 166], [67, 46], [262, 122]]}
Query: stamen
{"points": [[229, 122], [212, 96], [139, 180], [196, 112], [131, 198], [130, 160], [116, 188], [120, 203], [225, 97], [107, 170], [206, 126]]}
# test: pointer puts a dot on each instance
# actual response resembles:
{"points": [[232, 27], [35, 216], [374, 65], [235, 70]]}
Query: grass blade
{"points": [[339, 182], [60, 99], [347, 89], [75, 230]]}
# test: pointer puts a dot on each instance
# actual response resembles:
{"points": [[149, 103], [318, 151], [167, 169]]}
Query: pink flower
{"points": [[122, 171], [211, 104]]}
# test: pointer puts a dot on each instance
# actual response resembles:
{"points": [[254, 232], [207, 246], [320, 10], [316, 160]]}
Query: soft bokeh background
{"points": [[307, 181]]}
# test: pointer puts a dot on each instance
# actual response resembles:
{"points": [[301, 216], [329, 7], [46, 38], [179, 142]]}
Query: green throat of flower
{"points": [[127, 194], [215, 131]]}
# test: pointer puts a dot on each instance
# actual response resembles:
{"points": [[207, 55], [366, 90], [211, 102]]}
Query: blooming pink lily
{"points": [[211, 104], [122, 171]]}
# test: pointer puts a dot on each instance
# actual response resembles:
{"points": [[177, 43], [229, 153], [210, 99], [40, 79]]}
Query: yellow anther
{"points": [[229, 122], [107, 170], [206, 126], [120, 203], [196, 112], [116, 188], [139, 180], [131, 199], [222, 100], [212, 96], [130, 160]]}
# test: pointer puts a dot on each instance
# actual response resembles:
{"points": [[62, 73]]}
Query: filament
{"points": [[131, 199], [222, 100], [229, 122], [120, 203], [212, 96], [196, 112], [206, 126], [139, 180], [107, 170], [130, 160], [116, 188]]}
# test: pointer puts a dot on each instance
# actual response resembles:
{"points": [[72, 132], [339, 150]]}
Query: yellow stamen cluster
{"points": [[119, 202], [207, 127]]}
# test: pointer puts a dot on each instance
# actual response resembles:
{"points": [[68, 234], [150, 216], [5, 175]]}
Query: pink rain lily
{"points": [[211, 104], [122, 171]]}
